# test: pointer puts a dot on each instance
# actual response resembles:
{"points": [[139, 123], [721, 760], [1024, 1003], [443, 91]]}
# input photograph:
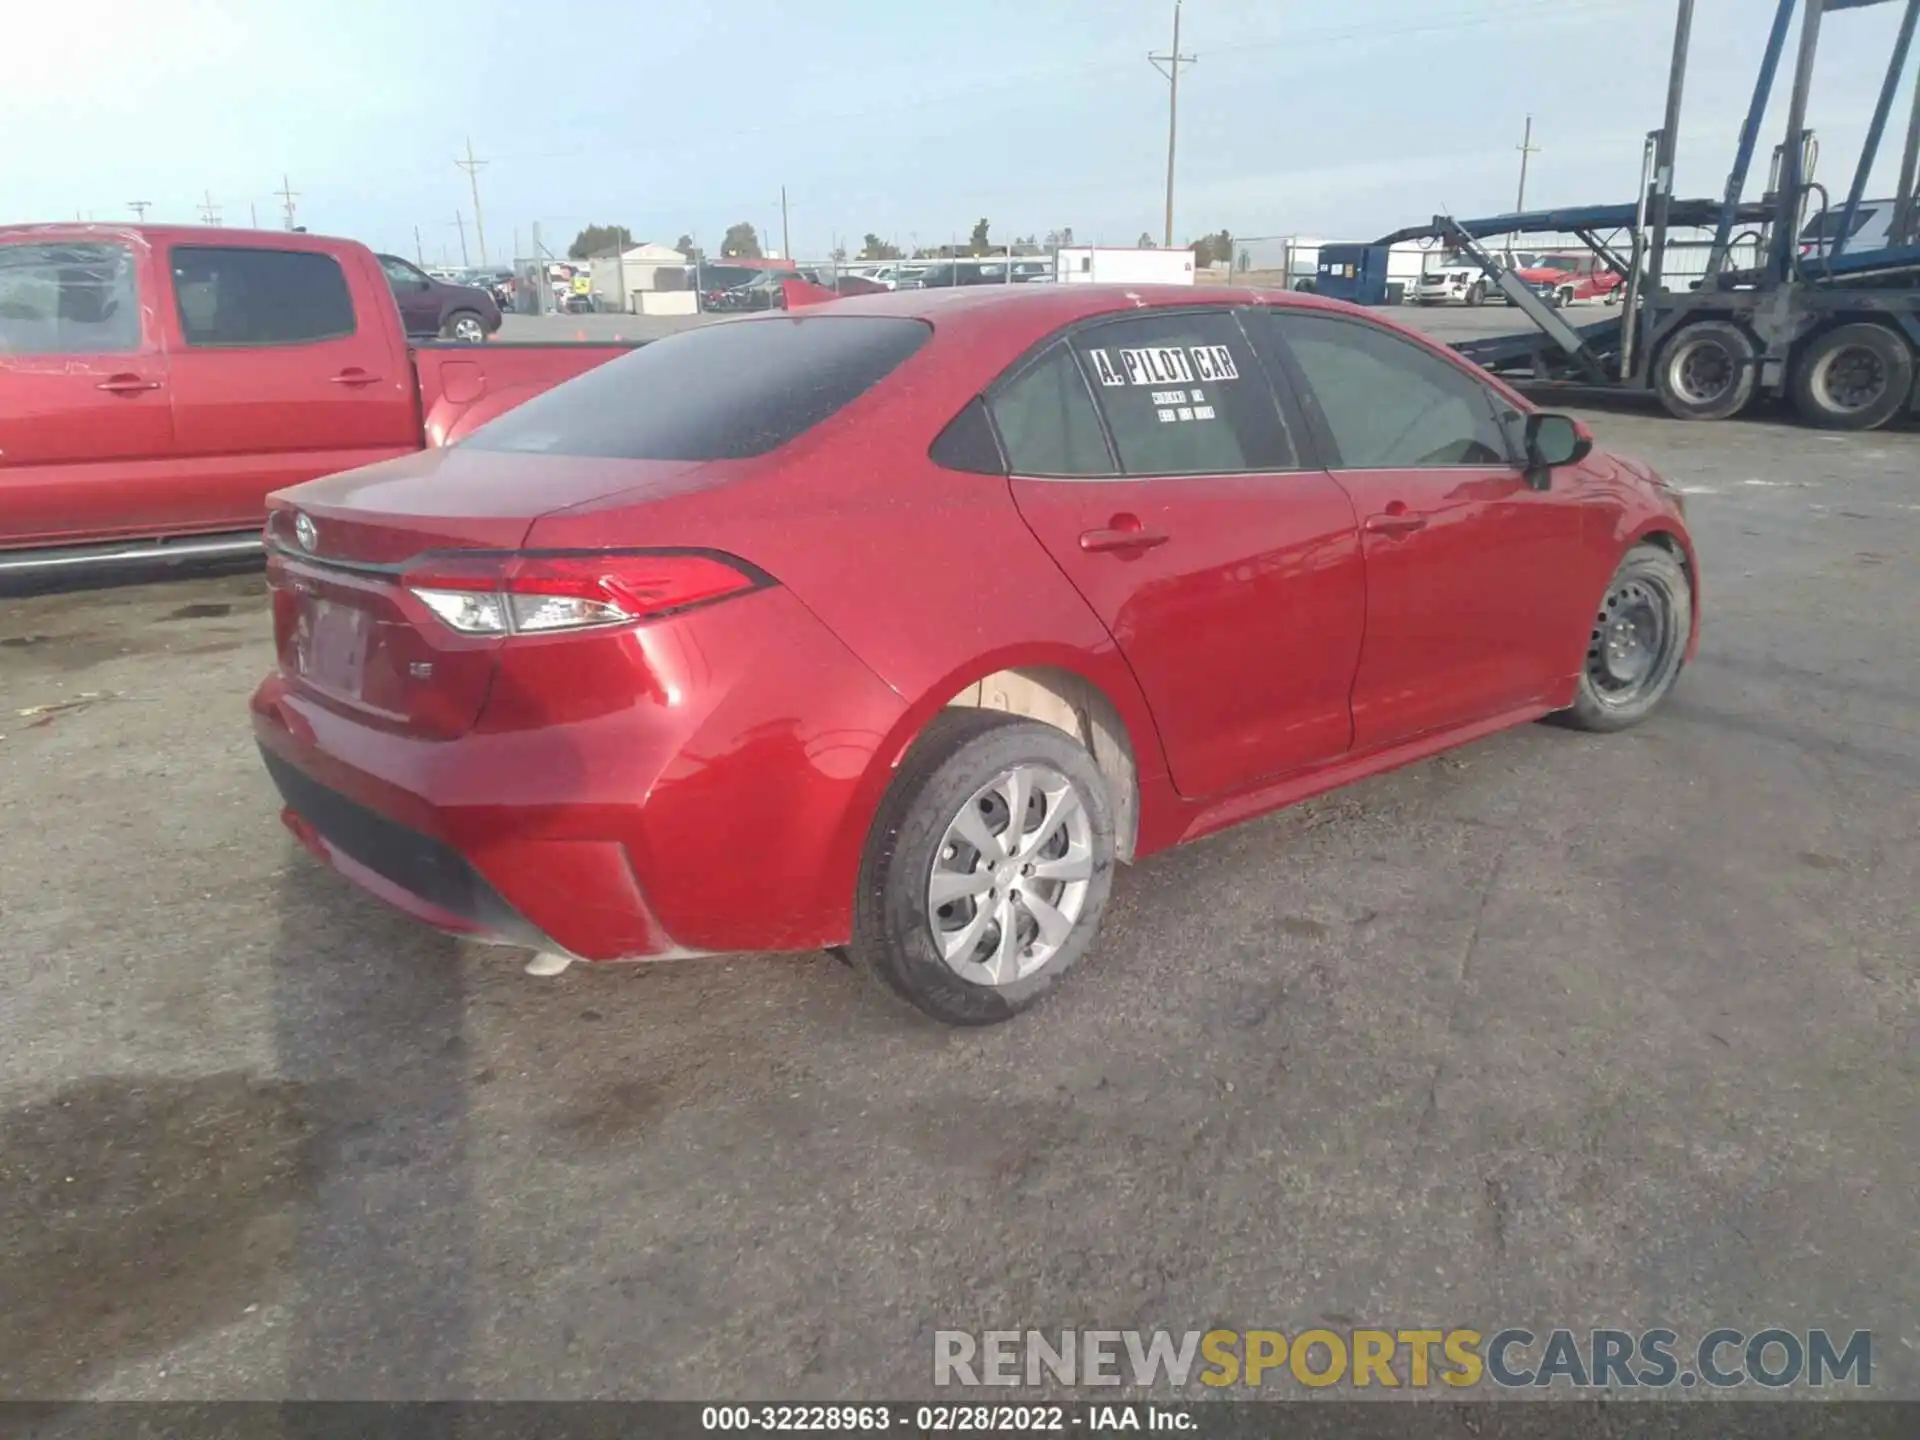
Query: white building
{"points": [[646, 279]]}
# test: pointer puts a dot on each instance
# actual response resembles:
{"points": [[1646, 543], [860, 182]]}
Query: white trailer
{"points": [[1122, 265]]}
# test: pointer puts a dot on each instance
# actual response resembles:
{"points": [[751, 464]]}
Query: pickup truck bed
{"points": [[157, 383]]}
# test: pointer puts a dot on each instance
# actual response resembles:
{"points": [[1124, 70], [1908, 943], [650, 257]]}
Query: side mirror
{"points": [[1553, 441]]}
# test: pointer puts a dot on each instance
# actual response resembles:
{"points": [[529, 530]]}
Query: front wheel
{"points": [[1855, 377], [466, 326], [1477, 293], [1637, 644], [987, 868]]}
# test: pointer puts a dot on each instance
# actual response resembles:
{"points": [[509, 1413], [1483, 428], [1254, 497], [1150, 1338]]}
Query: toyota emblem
{"points": [[306, 532]]}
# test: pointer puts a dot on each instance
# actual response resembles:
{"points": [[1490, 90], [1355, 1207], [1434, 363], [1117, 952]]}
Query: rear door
{"points": [[1469, 607], [280, 374], [1151, 460], [86, 431]]}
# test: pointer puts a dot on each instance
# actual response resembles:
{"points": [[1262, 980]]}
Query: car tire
{"points": [[1564, 297], [466, 326], [1855, 377], [959, 781], [1477, 293], [1637, 645], [1706, 371]]}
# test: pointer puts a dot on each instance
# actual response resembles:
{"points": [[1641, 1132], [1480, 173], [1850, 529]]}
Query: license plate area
{"points": [[331, 644]]}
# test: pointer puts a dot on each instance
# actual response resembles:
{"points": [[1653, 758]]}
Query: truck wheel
{"points": [[1565, 296], [1856, 377], [1637, 645], [1706, 371], [466, 326], [1477, 293], [987, 868]]}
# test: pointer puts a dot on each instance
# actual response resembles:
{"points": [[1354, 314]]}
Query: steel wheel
{"points": [[1703, 372], [1010, 876], [1851, 380], [1633, 641]]}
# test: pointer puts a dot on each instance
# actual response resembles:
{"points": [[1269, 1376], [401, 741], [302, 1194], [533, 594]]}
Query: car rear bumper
{"points": [[700, 786]]}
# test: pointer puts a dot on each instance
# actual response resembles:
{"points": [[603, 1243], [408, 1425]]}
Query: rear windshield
{"points": [[717, 392]]}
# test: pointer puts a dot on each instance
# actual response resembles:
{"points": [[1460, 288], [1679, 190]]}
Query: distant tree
{"points": [[977, 242], [598, 239], [685, 246], [1145, 242], [742, 243], [874, 248], [1215, 249]]}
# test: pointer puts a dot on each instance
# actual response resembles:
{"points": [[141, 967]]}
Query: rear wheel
{"points": [[1706, 371], [1637, 644], [1856, 377], [466, 326], [987, 869], [1477, 293]]}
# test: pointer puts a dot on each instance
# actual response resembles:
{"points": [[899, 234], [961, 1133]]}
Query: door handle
{"points": [[126, 385], [1391, 524], [354, 377], [1121, 534]]}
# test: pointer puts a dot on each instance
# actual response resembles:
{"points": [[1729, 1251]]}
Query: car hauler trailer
{"points": [[1834, 329]]}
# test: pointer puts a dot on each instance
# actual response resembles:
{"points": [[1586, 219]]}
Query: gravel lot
{"points": [[1557, 1030]]}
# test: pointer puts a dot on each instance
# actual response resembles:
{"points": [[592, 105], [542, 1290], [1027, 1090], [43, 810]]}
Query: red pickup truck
{"points": [[156, 383]]}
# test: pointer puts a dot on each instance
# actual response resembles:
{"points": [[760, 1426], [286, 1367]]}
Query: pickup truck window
{"points": [[230, 297], [721, 392], [68, 299]]}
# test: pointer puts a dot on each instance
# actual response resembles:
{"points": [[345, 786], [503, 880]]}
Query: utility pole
{"points": [[139, 209], [473, 168], [461, 221], [287, 195], [253, 215], [209, 212], [786, 239], [419, 250], [1169, 66], [1527, 148]]}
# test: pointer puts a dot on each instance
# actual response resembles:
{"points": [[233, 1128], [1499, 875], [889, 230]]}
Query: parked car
{"points": [[1452, 281], [430, 307], [1568, 279], [762, 292], [692, 655], [1872, 228], [156, 382]]}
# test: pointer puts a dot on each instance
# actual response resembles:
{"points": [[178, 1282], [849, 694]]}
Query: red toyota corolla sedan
{"points": [[892, 624]]}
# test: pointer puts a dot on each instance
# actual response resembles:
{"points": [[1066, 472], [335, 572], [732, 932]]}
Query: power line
{"points": [[473, 168], [139, 209], [1172, 61]]}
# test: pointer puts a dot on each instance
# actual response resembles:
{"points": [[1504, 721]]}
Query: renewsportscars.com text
{"points": [[1512, 1358]]}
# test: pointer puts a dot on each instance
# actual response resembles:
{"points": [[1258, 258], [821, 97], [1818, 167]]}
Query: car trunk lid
{"points": [[342, 551]]}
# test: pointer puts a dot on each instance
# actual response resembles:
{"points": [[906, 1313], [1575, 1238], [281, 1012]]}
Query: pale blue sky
{"points": [[1340, 118]]}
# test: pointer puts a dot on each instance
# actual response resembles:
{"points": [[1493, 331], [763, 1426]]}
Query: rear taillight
{"points": [[530, 593]]}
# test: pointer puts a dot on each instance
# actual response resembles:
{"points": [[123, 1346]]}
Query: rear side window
{"points": [[1389, 404], [718, 392], [1047, 422], [237, 297], [68, 299], [1184, 395]]}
